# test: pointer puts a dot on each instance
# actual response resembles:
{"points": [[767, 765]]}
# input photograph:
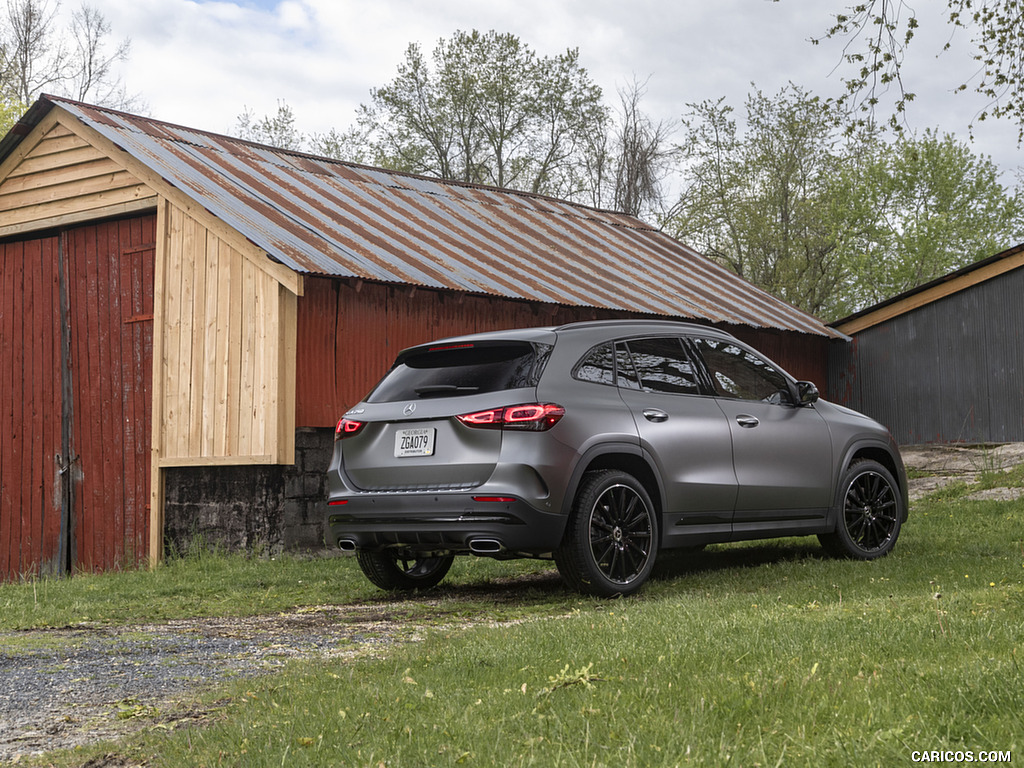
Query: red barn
{"points": [[183, 316]]}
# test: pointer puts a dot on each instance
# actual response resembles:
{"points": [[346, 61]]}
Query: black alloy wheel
{"points": [[612, 538], [404, 570], [871, 513]]}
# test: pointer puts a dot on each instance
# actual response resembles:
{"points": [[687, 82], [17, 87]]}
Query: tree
{"points": [[10, 111], [765, 203], [36, 56], [937, 207], [880, 32], [277, 131], [829, 219], [643, 156], [487, 110]]}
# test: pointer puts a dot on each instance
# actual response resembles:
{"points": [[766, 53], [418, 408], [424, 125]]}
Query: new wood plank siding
{"points": [[226, 356], [61, 179]]}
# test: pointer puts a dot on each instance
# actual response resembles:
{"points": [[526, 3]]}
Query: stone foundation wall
{"points": [[259, 509]]}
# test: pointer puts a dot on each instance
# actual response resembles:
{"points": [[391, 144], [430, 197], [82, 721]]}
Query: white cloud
{"points": [[201, 63]]}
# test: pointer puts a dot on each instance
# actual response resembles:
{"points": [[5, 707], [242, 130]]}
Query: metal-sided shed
{"points": [[183, 317], [944, 362]]}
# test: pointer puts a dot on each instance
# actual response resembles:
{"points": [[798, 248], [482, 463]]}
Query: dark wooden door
{"points": [[76, 351], [111, 320], [32, 528]]}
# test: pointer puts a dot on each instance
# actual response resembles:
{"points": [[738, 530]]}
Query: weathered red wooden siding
{"points": [[111, 299], [90, 512], [30, 387], [349, 333]]}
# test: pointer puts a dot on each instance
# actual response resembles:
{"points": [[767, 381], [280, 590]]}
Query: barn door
{"points": [[31, 495], [110, 297], [76, 350]]}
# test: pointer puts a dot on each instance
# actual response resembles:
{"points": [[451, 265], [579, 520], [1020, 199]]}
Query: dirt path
{"points": [[65, 687]]}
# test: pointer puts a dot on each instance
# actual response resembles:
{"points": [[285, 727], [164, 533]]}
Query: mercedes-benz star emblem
{"points": [[410, 409]]}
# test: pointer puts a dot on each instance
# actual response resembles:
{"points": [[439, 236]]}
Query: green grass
{"points": [[746, 655]]}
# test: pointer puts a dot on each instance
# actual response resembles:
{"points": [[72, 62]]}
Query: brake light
{"points": [[450, 346], [534, 417], [347, 428]]}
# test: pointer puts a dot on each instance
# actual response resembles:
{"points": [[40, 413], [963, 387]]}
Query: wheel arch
{"points": [[622, 456], [884, 456]]}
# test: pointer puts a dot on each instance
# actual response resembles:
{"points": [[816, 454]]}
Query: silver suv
{"points": [[598, 444]]}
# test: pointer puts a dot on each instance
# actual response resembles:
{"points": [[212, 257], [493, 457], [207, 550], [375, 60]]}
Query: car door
{"points": [[782, 453], [685, 433]]}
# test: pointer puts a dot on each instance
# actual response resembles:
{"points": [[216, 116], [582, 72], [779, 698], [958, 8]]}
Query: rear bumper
{"points": [[453, 522]]}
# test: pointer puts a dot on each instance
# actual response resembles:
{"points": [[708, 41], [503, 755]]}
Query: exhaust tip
{"points": [[346, 545], [485, 546]]}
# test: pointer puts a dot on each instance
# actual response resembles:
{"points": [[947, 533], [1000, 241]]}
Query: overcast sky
{"points": [[201, 63]]}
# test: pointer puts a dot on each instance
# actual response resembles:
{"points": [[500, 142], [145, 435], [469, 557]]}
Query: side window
{"points": [[598, 366], [738, 373], [663, 366]]}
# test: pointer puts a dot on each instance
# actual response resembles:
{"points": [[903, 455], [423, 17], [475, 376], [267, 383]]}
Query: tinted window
{"points": [[598, 366], [663, 366], [468, 369], [738, 373]]}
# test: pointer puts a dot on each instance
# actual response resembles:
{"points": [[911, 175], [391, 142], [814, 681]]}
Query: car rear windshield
{"points": [[462, 369]]}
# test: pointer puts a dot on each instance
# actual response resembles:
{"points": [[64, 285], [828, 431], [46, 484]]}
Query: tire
{"points": [[870, 513], [403, 570], [612, 536]]}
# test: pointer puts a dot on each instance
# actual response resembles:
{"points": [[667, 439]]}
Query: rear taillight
{"points": [[533, 417], [348, 428]]}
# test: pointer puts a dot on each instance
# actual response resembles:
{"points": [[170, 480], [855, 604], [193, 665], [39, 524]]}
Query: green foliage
{"points": [[278, 130], [930, 205], [880, 31], [10, 112], [759, 202], [487, 109], [832, 219]]}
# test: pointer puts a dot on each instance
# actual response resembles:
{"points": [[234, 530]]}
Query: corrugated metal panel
{"points": [[949, 371], [1005, 323], [323, 217]]}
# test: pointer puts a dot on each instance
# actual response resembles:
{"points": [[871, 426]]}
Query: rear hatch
{"points": [[425, 426]]}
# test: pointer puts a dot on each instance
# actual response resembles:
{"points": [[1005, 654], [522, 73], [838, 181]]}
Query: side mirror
{"points": [[806, 393]]}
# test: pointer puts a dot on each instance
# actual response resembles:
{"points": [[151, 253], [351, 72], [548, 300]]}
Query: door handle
{"points": [[655, 415], [747, 421]]}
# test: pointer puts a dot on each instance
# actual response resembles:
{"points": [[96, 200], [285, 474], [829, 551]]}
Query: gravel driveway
{"points": [[64, 687]]}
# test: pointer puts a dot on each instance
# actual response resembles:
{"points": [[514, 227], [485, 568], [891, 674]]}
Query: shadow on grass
{"points": [[678, 563], [544, 587]]}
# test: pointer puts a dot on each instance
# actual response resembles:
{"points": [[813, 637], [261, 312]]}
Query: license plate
{"points": [[414, 442]]}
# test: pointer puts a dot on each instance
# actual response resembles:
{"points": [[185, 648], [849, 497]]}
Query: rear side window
{"points": [[462, 369], [663, 366]]}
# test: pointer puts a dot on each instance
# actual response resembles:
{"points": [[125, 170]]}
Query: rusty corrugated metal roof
{"points": [[326, 217]]}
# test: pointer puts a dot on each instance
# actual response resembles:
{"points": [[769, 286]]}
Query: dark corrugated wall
{"points": [[350, 332], [949, 371]]}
